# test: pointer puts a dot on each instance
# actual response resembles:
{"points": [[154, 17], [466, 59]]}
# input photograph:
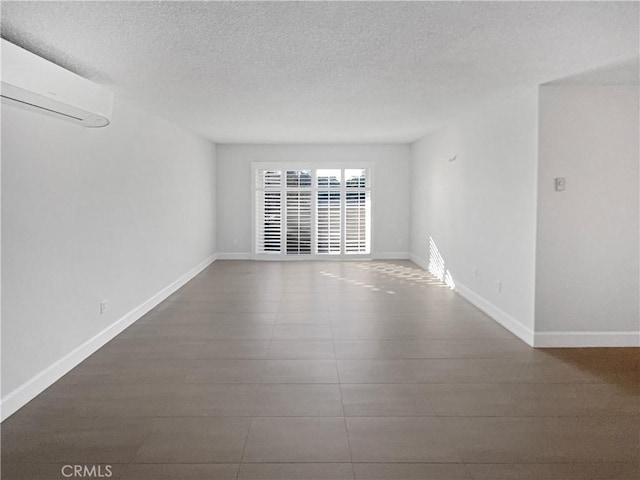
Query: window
{"points": [[305, 212]]}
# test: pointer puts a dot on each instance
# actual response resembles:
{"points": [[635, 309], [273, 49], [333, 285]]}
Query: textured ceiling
{"points": [[314, 72]]}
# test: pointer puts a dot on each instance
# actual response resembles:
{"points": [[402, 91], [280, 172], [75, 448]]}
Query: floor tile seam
{"points": [[345, 415], [559, 462], [449, 440], [453, 445], [608, 417], [259, 383], [346, 429], [634, 418], [201, 358], [572, 383], [147, 435], [299, 382], [344, 419], [182, 383], [244, 446], [329, 462], [176, 463], [360, 462], [374, 462], [603, 462]]}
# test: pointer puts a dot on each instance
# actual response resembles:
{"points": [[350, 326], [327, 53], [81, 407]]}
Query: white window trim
{"points": [[282, 256]]}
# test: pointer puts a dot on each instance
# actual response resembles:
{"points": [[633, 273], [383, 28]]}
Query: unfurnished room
{"points": [[320, 240]]}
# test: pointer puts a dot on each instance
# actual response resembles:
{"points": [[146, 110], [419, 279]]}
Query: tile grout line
{"points": [[344, 413], [259, 387]]}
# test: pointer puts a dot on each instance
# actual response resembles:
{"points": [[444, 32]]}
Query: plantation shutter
{"points": [[298, 212], [312, 212], [357, 211], [268, 211], [328, 212]]}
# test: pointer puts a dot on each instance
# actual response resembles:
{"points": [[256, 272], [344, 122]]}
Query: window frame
{"points": [[313, 167]]}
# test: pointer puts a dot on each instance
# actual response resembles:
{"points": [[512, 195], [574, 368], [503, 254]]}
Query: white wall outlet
{"points": [[499, 286], [560, 183], [104, 306], [475, 271]]}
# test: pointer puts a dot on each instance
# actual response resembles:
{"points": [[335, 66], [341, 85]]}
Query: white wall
{"points": [[390, 191], [117, 213], [480, 209], [587, 260]]}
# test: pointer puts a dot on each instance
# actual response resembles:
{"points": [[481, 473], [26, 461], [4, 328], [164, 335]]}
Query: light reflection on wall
{"points": [[437, 266]]}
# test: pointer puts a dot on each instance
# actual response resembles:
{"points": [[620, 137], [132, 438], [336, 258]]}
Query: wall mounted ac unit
{"points": [[35, 84]]}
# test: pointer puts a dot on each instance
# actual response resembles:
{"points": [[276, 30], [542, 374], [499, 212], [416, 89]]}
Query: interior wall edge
{"points": [[419, 261], [30, 389]]}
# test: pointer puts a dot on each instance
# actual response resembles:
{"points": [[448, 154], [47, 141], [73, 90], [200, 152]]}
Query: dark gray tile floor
{"points": [[330, 370]]}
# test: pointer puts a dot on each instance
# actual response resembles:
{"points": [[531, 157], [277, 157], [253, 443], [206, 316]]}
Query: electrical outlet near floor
{"points": [[104, 306]]}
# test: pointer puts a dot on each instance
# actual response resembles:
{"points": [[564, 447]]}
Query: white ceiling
{"points": [[316, 72]]}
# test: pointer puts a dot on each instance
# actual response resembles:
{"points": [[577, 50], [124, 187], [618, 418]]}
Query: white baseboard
{"points": [[500, 316], [586, 339], [542, 339], [26, 392], [503, 318], [550, 339], [391, 256], [234, 256], [250, 256]]}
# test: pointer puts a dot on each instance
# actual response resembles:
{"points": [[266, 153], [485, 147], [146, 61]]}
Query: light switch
{"points": [[560, 184]]}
